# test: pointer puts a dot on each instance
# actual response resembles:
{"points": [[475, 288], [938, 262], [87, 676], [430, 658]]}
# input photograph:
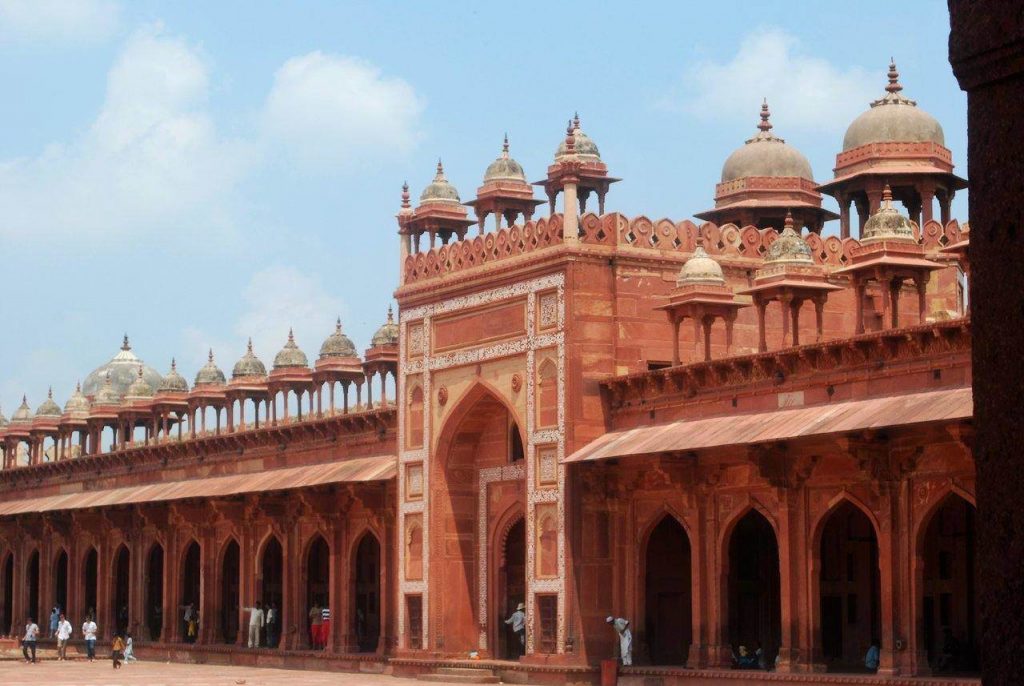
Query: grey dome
{"points": [[789, 246], [887, 224], [893, 118], [173, 382], [77, 403], [107, 395], [338, 344], [766, 155], [122, 368], [504, 168], [249, 365], [439, 189], [209, 374], [139, 388], [583, 146], [48, 408], [700, 268], [387, 334], [290, 355], [23, 413], [3, 420]]}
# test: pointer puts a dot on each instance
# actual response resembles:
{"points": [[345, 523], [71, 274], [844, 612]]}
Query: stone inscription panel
{"points": [[486, 325]]}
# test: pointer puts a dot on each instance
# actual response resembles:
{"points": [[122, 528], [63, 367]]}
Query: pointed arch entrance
{"points": [[191, 586], [318, 581], [60, 581], [948, 611], [229, 586], [120, 597], [7, 589], [753, 594], [366, 617], [849, 588], [154, 615], [475, 437], [90, 581], [667, 593], [271, 586], [32, 572]]}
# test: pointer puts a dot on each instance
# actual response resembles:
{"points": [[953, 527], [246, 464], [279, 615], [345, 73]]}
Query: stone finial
{"points": [[765, 124], [391, 315], [174, 365], [337, 326], [570, 139], [576, 121], [248, 346], [788, 224], [291, 335], [405, 195], [210, 356], [504, 147], [894, 78], [439, 176], [887, 195], [125, 345]]}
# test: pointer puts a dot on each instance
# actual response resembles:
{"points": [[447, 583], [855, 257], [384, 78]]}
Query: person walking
{"points": [[256, 621], [129, 650], [116, 646], [54, 621], [271, 620], [325, 626], [28, 642], [518, 622], [316, 618], [89, 630], [191, 618], [621, 626], [63, 634]]}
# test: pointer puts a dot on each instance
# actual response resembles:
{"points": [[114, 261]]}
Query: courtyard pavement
{"points": [[100, 673]]}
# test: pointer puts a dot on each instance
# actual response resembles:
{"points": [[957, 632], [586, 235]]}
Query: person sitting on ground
{"points": [[761, 657], [746, 659], [873, 657], [129, 649], [116, 646]]}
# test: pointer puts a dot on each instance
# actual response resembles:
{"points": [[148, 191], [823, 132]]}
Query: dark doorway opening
{"points": [[754, 608], [511, 589], [367, 602], [850, 589], [272, 591], [190, 590], [60, 581], [6, 610], [90, 580], [155, 592], [318, 579], [668, 626], [122, 577], [950, 615], [33, 590], [229, 586]]}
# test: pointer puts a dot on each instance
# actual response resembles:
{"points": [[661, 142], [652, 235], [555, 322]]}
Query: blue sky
{"points": [[194, 173]]}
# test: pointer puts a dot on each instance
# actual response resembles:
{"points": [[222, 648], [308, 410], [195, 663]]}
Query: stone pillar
{"points": [[104, 585], [209, 610], [987, 54], [570, 218], [170, 631], [294, 626], [339, 586]]}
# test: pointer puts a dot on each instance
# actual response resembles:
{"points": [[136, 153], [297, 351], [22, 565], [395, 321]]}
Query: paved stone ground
{"points": [[100, 673]]}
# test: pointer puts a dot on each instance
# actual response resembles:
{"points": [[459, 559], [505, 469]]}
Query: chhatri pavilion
{"points": [[752, 431]]}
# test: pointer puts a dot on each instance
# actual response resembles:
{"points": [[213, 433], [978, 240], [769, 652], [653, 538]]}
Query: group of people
{"points": [[121, 648], [319, 626], [260, 619]]}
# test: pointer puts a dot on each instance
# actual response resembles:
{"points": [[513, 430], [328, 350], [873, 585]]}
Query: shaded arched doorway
{"points": [[511, 588], [229, 586], [120, 610], [318, 579], [7, 589], [849, 588], [155, 592], [475, 437], [754, 606], [366, 618], [33, 590], [90, 581], [949, 613], [60, 581], [667, 601], [271, 590], [190, 589]]}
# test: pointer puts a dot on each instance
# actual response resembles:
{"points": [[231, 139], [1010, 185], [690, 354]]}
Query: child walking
{"points": [[115, 651]]}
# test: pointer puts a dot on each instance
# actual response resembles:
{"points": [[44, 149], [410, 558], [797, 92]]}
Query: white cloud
{"points": [[330, 110], [275, 300], [804, 92], [75, 21], [151, 162]]}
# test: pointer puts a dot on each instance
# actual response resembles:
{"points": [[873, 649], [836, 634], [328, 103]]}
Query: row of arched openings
{"points": [[849, 589], [270, 588]]}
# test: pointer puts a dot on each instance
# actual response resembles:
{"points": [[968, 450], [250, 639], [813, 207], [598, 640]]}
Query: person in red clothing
{"points": [[325, 626]]}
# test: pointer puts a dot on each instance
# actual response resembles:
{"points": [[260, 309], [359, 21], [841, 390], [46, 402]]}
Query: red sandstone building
{"points": [[740, 432]]}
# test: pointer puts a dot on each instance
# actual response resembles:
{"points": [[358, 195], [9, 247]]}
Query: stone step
{"points": [[465, 671], [481, 678]]}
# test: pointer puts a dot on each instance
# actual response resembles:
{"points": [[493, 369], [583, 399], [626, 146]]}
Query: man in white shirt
{"points": [[255, 624], [89, 630], [63, 634], [28, 643]]}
